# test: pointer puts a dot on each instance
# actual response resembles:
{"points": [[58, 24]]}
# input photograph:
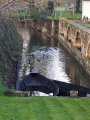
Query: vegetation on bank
{"points": [[36, 13], [76, 17], [40, 15], [66, 14], [2, 88], [10, 48], [44, 108], [20, 14]]}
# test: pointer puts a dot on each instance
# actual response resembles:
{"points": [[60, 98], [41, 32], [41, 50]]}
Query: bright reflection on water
{"points": [[49, 62], [48, 57]]}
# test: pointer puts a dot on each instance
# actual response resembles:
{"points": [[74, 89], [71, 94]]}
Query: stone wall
{"points": [[50, 27], [76, 39], [46, 28]]}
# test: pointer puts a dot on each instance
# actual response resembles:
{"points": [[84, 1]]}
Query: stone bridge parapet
{"points": [[76, 39]]}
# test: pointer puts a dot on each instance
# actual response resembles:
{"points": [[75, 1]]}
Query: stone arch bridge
{"points": [[76, 39]]}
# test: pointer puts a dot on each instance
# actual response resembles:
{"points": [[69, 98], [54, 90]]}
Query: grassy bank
{"points": [[2, 88], [67, 13], [44, 108]]}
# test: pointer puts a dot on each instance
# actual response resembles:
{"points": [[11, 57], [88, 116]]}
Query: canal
{"points": [[48, 57]]}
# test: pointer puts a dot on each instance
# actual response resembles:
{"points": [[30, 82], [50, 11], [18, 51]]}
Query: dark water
{"points": [[48, 57]]}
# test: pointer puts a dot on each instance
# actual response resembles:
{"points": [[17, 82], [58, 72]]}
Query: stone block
{"points": [[73, 94], [88, 96], [21, 93], [17, 93]]}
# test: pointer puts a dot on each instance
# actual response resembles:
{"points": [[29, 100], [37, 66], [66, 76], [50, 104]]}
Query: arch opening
{"points": [[78, 41], [62, 29], [69, 34], [88, 52]]}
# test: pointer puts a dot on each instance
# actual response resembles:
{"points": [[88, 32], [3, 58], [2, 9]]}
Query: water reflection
{"points": [[48, 57], [48, 62]]}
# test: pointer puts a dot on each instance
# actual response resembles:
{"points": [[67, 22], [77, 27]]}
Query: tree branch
{"points": [[8, 3]]}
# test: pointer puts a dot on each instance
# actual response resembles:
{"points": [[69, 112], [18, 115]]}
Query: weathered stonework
{"points": [[46, 28], [50, 27], [73, 94], [76, 39]]}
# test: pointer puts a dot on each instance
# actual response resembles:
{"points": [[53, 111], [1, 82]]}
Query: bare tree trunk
{"points": [[73, 7]]}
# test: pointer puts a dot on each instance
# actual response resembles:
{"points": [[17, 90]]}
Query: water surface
{"points": [[49, 58]]}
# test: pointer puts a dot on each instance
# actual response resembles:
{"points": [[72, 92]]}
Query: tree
{"points": [[50, 7], [78, 6], [38, 14]]}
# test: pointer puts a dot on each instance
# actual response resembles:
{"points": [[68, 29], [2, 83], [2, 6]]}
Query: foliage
{"points": [[38, 15], [44, 108], [50, 7], [66, 14], [34, 14], [9, 47], [78, 6], [42, 17], [53, 18], [57, 9], [20, 15], [2, 87]]}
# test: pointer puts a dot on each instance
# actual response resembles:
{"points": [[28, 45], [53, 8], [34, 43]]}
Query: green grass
{"points": [[19, 15], [55, 18], [87, 25], [66, 14], [44, 108], [2, 87]]}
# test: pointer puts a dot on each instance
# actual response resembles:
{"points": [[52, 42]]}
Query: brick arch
{"points": [[78, 41], [69, 33], [62, 29]]}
